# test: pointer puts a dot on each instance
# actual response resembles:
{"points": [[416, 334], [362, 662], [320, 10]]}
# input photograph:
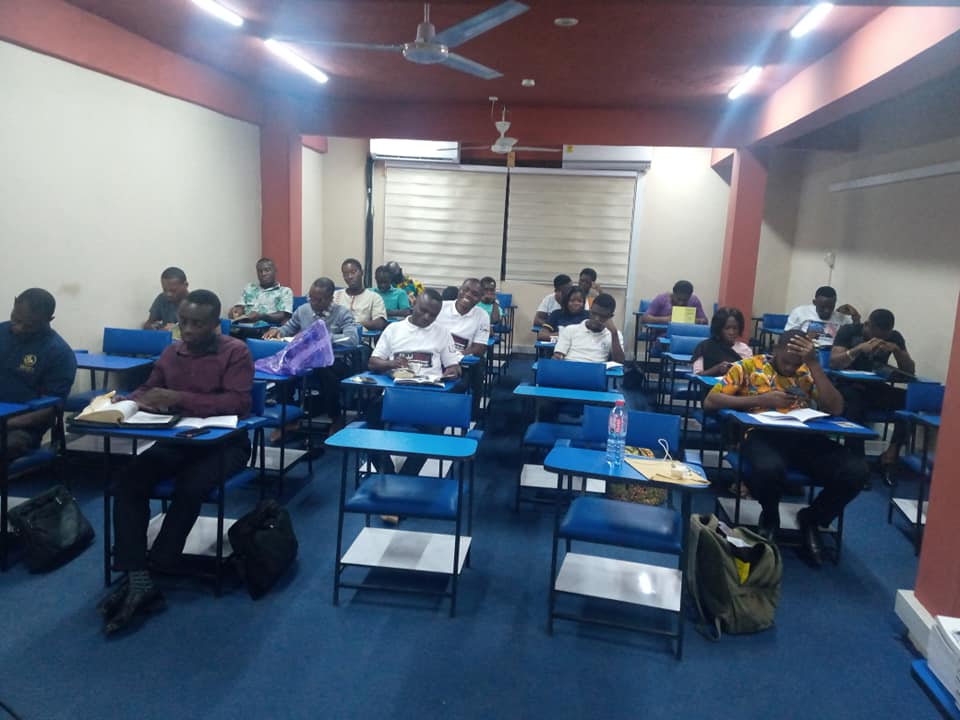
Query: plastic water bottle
{"points": [[616, 434]]}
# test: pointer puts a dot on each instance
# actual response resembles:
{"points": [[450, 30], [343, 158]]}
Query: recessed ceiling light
{"points": [[284, 52], [218, 10], [813, 18], [744, 84], [528, 82], [565, 22]]}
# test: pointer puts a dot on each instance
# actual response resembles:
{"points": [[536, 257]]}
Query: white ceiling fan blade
{"points": [[337, 43], [479, 24], [474, 147], [530, 148], [459, 62]]}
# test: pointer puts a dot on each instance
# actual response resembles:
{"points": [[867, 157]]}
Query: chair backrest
{"points": [[688, 329], [505, 300], [684, 344], [124, 341], [924, 397], [774, 321], [644, 306], [258, 397], [263, 348], [824, 355], [225, 325], [426, 407], [299, 300], [570, 374], [644, 429]]}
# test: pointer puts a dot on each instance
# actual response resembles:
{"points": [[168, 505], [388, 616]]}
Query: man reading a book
{"points": [[34, 362], [207, 374], [661, 307], [343, 333], [868, 347], [162, 314], [790, 378]]}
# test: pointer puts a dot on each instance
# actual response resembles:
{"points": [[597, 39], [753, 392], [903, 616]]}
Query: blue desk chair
{"points": [[38, 459], [605, 521], [505, 326], [121, 341], [688, 330], [164, 491], [541, 436], [771, 327], [299, 300], [925, 398], [281, 413], [679, 345], [433, 497]]}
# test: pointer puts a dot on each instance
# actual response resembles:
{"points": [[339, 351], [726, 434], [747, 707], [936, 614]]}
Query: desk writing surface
{"points": [[922, 418], [612, 372], [864, 375], [593, 463], [445, 447], [100, 361], [705, 380], [546, 392], [385, 381], [11, 409], [821, 426], [270, 377], [678, 357], [212, 437]]}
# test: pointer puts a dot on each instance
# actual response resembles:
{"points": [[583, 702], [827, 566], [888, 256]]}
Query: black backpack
{"points": [[264, 546]]}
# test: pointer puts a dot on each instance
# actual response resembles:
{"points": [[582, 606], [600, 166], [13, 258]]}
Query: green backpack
{"points": [[733, 576]]}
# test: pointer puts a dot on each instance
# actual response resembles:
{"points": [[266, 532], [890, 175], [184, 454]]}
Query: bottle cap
{"points": [[618, 403]]}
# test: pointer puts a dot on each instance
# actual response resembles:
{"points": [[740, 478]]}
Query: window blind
{"points": [[444, 224], [564, 222]]}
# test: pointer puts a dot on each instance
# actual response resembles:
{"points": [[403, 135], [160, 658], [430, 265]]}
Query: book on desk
{"points": [[103, 410], [797, 416]]}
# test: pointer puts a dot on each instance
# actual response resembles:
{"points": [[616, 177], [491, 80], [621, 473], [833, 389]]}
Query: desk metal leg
{"points": [[221, 501], [456, 542], [551, 594], [107, 520], [684, 550], [3, 495], [343, 494]]}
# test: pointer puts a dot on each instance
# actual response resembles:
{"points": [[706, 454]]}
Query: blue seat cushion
{"points": [[545, 434], [273, 414], [612, 522], [30, 461], [164, 489], [409, 495]]}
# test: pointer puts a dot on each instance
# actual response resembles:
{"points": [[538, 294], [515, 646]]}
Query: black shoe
{"points": [[768, 526], [136, 605], [810, 535], [114, 599]]}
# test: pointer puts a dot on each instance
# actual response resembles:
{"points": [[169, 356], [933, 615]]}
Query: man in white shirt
{"points": [[419, 344], [364, 304], [469, 326], [596, 339], [551, 301], [822, 318]]}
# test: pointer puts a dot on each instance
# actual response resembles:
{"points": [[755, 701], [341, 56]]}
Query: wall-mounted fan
{"points": [[504, 144], [432, 47]]}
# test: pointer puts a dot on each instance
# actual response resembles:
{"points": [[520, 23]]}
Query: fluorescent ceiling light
{"points": [[284, 52], [215, 8], [748, 79], [813, 18]]}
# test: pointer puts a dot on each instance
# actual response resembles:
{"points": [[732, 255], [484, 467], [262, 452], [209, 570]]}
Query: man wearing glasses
{"points": [[596, 339]]}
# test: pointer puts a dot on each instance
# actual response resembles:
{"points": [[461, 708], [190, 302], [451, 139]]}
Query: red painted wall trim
{"points": [[281, 187], [938, 578], [55, 28], [317, 143], [897, 50], [741, 246]]}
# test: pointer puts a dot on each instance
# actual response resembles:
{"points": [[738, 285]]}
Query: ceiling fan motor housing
{"points": [[424, 50]]}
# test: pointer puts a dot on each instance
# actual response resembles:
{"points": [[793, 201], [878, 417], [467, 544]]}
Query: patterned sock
{"points": [[140, 581]]}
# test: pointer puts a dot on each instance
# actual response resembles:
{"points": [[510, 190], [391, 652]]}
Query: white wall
{"points": [[312, 209], [896, 245], [103, 184]]}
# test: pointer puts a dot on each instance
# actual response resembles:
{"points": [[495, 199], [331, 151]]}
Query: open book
{"points": [[683, 314], [403, 376], [103, 411], [214, 421], [794, 417]]}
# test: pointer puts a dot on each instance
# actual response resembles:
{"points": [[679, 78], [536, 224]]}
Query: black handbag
{"points": [[52, 527], [264, 546]]}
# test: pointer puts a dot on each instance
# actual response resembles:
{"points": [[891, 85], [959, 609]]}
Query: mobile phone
{"points": [[192, 432], [795, 391]]}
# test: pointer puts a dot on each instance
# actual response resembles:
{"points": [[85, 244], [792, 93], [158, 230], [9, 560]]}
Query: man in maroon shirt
{"points": [[207, 374]]}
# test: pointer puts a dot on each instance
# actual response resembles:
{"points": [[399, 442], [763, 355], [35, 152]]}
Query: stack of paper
{"points": [[943, 653]]}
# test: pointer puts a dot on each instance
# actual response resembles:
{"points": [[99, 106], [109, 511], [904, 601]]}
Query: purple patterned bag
{"points": [[310, 349]]}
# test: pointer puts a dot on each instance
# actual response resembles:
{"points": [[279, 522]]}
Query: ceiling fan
{"points": [[432, 47], [504, 144]]}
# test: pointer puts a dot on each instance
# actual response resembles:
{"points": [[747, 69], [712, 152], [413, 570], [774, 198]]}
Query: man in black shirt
{"points": [[868, 346]]}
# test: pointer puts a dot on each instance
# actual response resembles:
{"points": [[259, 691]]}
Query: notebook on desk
{"points": [[683, 314]]}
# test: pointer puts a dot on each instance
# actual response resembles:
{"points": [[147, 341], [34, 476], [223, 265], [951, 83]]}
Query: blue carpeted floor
{"points": [[836, 651]]}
